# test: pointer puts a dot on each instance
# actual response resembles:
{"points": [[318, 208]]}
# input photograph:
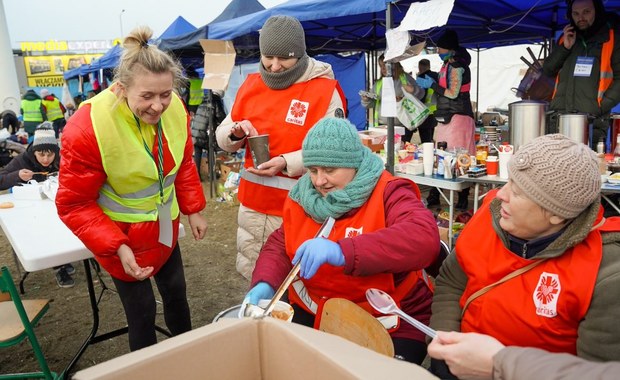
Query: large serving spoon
{"points": [[384, 303]]}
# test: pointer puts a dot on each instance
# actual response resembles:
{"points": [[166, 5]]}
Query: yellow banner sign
{"points": [[55, 64], [46, 71]]}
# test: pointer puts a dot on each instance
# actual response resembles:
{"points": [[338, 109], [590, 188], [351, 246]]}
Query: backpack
{"points": [[200, 121]]}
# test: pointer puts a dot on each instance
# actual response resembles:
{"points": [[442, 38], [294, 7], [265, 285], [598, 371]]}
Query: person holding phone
{"points": [[585, 63]]}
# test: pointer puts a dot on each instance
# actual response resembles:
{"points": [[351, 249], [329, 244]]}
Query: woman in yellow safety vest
{"points": [[126, 175]]}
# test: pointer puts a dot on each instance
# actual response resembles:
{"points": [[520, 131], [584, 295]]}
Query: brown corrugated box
{"points": [[254, 349]]}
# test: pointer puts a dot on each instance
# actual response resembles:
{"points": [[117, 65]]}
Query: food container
{"points": [[282, 311], [575, 127], [526, 121]]}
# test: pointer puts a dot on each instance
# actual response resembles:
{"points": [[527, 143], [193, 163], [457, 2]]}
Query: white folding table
{"points": [[42, 241]]}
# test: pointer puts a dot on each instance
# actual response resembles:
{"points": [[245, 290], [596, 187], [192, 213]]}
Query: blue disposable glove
{"points": [[424, 82], [315, 252], [260, 291]]}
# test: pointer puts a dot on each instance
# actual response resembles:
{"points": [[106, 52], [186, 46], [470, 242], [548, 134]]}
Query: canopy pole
{"points": [[477, 114], [390, 120]]}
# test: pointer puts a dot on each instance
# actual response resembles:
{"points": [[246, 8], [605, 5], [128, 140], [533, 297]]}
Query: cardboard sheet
{"points": [[254, 349], [219, 61]]}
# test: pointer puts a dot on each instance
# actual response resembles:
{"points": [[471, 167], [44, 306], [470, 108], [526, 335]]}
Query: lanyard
{"points": [[160, 155]]}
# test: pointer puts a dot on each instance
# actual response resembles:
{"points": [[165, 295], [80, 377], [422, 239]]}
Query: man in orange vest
{"points": [[538, 265], [364, 249], [285, 99], [585, 62]]}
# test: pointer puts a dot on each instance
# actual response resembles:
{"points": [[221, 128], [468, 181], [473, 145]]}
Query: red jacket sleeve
{"points": [[409, 242], [80, 178]]}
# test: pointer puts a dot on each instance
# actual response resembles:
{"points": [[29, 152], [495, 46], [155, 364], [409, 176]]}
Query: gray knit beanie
{"points": [[557, 173], [45, 138], [282, 36], [333, 142]]}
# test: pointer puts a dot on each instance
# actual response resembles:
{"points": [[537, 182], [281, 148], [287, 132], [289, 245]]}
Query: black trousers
{"points": [[138, 301]]}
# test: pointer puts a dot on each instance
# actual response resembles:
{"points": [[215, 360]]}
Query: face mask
{"points": [[444, 56]]}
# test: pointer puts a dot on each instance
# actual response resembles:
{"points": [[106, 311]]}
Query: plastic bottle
{"points": [[600, 147]]}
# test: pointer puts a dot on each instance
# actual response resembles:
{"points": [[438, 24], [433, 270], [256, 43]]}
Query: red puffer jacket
{"points": [[81, 177]]}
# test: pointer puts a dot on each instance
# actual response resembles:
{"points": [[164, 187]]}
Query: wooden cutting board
{"points": [[346, 319]]}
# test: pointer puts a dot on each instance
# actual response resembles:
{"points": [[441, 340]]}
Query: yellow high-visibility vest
{"points": [[132, 192]]}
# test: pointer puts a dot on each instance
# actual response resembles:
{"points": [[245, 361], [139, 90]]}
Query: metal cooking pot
{"points": [[526, 121], [575, 126]]}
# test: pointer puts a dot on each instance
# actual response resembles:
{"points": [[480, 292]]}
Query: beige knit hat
{"points": [[282, 36], [557, 173]]}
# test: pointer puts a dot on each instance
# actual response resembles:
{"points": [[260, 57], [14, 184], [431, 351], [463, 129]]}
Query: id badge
{"points": [[583, 67], [165, 224]]}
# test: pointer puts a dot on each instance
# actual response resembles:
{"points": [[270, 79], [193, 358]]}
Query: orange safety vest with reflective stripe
{"points": [[606, 76], [542, 307], [286, 116], [331, 281]]}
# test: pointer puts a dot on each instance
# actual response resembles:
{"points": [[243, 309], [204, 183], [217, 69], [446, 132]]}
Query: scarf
{"points": [[284, 79], [338, 202]]}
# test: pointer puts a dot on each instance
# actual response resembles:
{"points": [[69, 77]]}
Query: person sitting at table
{"points": [[538, 265], [365, 249], [40, 159], [127, 173]]}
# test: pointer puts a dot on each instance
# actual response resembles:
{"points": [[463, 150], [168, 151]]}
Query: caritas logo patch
{"points": [[353, 232], [546, 295], [297, 112]]}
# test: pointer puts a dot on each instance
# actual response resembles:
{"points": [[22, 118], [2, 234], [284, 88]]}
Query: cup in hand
{"points": [[492, 165], [259, 148]]}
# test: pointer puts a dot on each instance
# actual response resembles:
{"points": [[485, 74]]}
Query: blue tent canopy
{"points": [[359, 25], [187, 44], [178, 27]]}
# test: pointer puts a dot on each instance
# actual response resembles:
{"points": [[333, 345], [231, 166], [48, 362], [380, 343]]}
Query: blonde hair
{"points": [[139, 56]]}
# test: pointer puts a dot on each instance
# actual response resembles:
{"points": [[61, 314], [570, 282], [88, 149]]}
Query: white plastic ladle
{"points": [[384, 303]]}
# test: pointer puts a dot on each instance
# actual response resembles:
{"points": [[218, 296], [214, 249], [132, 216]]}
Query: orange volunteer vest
{"points": [[540, 308], [286, 115], [331, 281]]}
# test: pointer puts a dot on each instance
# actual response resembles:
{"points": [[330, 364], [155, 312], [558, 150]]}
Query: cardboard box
{"points": [[443, 234], [219, 61], [228, 167], [254, 349], [398, 130]]}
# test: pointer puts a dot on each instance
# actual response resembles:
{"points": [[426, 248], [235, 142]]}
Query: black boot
{"points": [[463, 203], [433, 198]]}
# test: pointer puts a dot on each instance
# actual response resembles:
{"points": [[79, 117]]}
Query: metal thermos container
{"points": [[526, 121], [575, 126]]}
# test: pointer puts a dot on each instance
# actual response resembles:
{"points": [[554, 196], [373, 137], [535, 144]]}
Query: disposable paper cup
{"points": [[428, 159], [259, 148], [504, 157], [492, 165]]}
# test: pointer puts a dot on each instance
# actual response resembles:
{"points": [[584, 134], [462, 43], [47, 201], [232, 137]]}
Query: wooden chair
{"points": [[346, 319], [17, 320]]}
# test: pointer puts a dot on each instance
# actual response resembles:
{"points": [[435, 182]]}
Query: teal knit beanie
{"points": [[333, 142]]}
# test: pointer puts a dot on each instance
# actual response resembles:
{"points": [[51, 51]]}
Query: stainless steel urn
{"points": [[526, 121], [575, 126]]}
